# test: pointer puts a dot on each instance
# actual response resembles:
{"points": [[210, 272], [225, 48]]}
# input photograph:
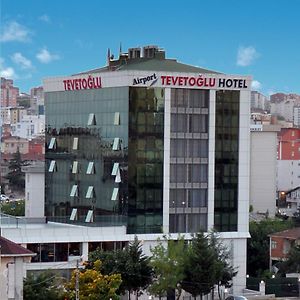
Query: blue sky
{"points": [[261, 38]]}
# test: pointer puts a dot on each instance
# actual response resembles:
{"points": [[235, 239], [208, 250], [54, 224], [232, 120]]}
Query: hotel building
{"points": [[147, 146]]}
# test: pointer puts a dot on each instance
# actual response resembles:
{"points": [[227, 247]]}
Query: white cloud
{"points": [[45, 18], [7, 72], [21, 60], [246, 56], [45, 57], [256, 85], [13, 31]]}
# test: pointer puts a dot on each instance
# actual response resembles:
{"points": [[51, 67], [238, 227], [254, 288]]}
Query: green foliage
{"points": [[44, 286], [93, 285], [258, 245], [13, 208], [15, 176], [200, 267], [292, 264], [168, 265], [133, 266]]}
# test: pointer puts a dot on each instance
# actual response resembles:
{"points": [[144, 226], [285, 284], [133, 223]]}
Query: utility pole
{"points": [[77, 281]]}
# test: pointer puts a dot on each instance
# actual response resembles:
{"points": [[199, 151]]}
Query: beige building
{"points": [[263, 159], [12, 144]]}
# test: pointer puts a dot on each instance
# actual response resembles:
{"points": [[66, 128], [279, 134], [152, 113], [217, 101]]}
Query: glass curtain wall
{"points": [[86, 156], [145, 160], [226, 160]]}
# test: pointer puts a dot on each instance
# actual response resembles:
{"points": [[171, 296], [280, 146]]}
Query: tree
{"points": [[13, 208], [133, 266], [292, 264], [168, 265], [93, 285], [200, 267], [225, 271], [15, 175], [45, 286], [258, 246]]}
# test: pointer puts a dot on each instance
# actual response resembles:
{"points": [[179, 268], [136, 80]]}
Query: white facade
{"points": [[297, 116], [35, 191], [263, 152], [288, 174], [29, 127]]}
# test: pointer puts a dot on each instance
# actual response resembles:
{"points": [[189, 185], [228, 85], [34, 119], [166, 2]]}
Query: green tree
{"points": [[200, 270], [15, 176], [225, 271], [167, 262], [133, 266], [292, 264], [258, 245], [93, 285], [44, 286], [13, 208]]}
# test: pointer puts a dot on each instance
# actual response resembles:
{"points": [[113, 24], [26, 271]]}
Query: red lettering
{"points": [[163, 79], [174, 80], [168, 80]]}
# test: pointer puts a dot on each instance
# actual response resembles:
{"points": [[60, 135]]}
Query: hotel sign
{"points": [[82, 83]]}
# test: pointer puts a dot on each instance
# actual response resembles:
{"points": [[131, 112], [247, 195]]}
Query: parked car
{"points": [[236, 298], [4, 197]]}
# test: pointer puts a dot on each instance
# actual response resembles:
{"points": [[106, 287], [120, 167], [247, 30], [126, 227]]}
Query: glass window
{"points": [[89, 216], [75, 143], [52, 167], [115, 169], [117, 118], [115, 194], [75, 168], [74, 191], [90, 168], [90, 192], [73, 214], [52, 144], [47, 252], [61, 252], [116, 144], [92, 119], [198, 198]]}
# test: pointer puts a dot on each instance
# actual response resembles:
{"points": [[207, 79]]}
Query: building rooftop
{"points": [[291, 234], [9, 248], [155, 61]]}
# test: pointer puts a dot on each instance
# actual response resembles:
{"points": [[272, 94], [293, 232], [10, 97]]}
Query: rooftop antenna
{"points": [[108, 56], [120, 49]]}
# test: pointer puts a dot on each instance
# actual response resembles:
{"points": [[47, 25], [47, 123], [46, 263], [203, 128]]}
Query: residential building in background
{"points": [[288, 163], [259, 101], [8, 93], [297, 116]]}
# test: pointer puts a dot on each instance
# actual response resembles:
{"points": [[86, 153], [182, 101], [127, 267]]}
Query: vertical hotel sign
{"points": [[88, 83]]}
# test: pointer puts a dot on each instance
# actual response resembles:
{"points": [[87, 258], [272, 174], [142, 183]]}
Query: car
{"points": [[236, 298], [4, 197]]}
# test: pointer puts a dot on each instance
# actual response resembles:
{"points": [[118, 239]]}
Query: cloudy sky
{"points": [[41, 39]]}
